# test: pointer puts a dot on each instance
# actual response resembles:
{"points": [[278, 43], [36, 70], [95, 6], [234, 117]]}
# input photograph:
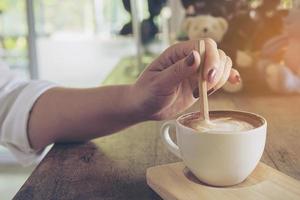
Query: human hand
{"points": [[168, 86]]}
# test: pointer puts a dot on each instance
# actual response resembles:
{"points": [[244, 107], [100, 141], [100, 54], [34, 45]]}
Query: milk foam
{"points": [[224, 124]]}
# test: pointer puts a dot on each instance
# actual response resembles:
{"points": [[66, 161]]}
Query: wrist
{"points": [[131, 104], [136, 102]]}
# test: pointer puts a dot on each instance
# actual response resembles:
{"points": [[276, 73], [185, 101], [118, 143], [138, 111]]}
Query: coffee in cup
{"points": [[218, 154], [221, 124]]}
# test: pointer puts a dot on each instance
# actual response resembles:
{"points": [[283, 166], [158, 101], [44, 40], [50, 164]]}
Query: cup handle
{"points": [[165, 135]]}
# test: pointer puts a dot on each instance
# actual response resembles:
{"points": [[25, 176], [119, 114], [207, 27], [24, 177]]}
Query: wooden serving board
{"points": [[175, 181]]}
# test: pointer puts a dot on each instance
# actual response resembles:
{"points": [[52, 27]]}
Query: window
{"points": [[13, 33]]}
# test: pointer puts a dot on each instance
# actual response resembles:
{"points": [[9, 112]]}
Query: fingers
{"points": [[177, 52], [234, 77], [180, 50], [217, 66], [225, 69], [181, 70], [212, 69], [226, 72]]}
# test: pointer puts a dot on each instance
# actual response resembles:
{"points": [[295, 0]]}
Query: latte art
{"points": [[224, 124]]}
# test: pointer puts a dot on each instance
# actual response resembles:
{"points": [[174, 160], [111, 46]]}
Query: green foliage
{"points": [[7, 4], [19, 43], [3, 5]]}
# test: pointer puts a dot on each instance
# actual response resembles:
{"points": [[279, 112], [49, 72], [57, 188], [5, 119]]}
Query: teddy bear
{"points": [[280, 60], [203, 26], [207, 26]]}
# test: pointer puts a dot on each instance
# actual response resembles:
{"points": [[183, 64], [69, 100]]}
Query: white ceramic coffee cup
{"points": [[218, 158]]}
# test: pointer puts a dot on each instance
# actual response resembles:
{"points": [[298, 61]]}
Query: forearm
{"points": [[62, 114]]}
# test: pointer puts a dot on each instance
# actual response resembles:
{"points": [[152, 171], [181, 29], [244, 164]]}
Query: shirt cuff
{"points": [[15, 136]]}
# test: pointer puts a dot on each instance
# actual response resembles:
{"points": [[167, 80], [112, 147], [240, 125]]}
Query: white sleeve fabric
{"points": [[17, 98]]}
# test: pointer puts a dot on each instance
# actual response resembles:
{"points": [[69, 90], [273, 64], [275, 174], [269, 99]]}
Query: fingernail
{"points": [[196, 93], [212, 90], [238, 78], [211, 75], [190, 59]]}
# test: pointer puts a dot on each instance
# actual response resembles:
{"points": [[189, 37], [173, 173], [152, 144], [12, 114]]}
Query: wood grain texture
{"points": [[175, 181], [114, 167]]}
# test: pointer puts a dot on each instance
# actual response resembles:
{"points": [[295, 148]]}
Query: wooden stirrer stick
{"points": [[204, 111]]}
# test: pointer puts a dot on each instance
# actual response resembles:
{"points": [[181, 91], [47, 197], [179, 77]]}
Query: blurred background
{"points": [[86, 43]]}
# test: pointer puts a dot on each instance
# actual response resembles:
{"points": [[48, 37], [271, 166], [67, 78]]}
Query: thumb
{"points": [[181, 70]]}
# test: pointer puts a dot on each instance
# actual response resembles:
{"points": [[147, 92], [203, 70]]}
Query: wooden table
{"points": [[114, 167]]}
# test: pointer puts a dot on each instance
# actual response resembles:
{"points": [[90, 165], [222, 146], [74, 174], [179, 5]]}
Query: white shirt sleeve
{"points": [[17, 98]]}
